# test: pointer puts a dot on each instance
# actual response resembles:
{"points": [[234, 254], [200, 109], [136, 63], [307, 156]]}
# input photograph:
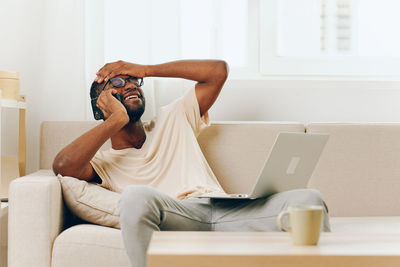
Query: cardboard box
{"points": [[9, 85]]}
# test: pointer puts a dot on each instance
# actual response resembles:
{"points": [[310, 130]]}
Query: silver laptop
{"points": [[288, 166]]}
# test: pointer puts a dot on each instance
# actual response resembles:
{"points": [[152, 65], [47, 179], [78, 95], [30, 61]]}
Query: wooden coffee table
{"points": [[233, 249]]}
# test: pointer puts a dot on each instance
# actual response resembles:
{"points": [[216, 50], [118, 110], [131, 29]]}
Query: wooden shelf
{"points": [[8, 103], [21, 158], [4, 204]]}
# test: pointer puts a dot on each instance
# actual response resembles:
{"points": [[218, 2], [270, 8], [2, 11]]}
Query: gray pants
{"points": [[144, 210]]}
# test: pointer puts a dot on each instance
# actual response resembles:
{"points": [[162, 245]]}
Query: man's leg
{"points": [[144, 210], [261, 214]]}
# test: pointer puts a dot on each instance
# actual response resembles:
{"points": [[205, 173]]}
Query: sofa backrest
{"points": [[358, 173], [55, 135], [236, 151], [359, 170]]}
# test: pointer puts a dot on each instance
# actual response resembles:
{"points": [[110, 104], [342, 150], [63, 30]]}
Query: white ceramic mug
{"points": [[304, 223]]}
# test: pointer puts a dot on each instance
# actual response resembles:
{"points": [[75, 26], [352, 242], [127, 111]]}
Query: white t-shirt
{"points": [[170, 159]]}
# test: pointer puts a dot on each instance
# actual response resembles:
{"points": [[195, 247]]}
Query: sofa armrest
{"points": [[35, 219]]}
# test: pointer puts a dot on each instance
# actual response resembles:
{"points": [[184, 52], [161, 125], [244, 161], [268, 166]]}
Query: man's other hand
{"points": [[120, 67], [109, 105]]}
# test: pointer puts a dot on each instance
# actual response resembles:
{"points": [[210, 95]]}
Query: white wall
{"points": [[297, 100], [20, 50], [63, 95], [309, 101], [45, 42]]}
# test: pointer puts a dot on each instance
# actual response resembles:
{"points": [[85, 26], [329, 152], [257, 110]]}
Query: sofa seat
{"points": [[89, 245], [103, 246]]}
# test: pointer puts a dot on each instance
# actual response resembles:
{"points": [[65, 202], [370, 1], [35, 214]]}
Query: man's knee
{"points": [[137, 199], [311, 196], [306, 197], [301, 197]]}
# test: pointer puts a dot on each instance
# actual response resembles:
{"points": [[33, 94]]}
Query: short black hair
{"points": [[95, 90]]}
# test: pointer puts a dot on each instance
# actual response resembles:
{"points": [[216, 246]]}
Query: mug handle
{"points": [[281, 224]]}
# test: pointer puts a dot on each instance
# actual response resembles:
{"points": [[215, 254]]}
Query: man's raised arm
{"points": [[74, 159], [209, 74]]}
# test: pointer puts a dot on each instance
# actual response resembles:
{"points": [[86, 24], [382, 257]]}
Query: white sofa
{"points": [[358, 174]]}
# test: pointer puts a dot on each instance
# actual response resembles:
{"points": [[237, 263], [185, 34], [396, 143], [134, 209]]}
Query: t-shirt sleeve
{"points": [[97, 163], [192, 111]]}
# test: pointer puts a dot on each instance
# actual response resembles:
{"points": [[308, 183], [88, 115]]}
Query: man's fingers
{"points": [[102, 77], [104, 98], [110, 93], [113, 74], [99, 78], [100, 104], [102, 74], [109, 70]]}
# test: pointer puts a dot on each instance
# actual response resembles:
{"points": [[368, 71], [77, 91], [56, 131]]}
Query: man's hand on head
{"points": [[209, 74], [120, 67], [109, 105]]}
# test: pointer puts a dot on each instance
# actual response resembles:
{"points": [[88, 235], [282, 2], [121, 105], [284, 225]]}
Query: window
{"points": [[256, 37], [330, 37], [338, 28], [158, 30]]}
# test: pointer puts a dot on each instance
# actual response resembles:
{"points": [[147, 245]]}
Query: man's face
{"points": [[132, 98]]}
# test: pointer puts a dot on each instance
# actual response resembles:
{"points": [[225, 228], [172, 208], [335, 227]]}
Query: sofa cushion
{"points": [[89, 245], [91, 202], [359, 169]]}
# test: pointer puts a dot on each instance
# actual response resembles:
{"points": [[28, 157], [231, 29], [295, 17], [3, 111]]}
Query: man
{"points": [[158, 166]]}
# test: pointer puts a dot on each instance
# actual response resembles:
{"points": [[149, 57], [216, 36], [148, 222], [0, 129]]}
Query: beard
{"points": [[136, 113]]}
